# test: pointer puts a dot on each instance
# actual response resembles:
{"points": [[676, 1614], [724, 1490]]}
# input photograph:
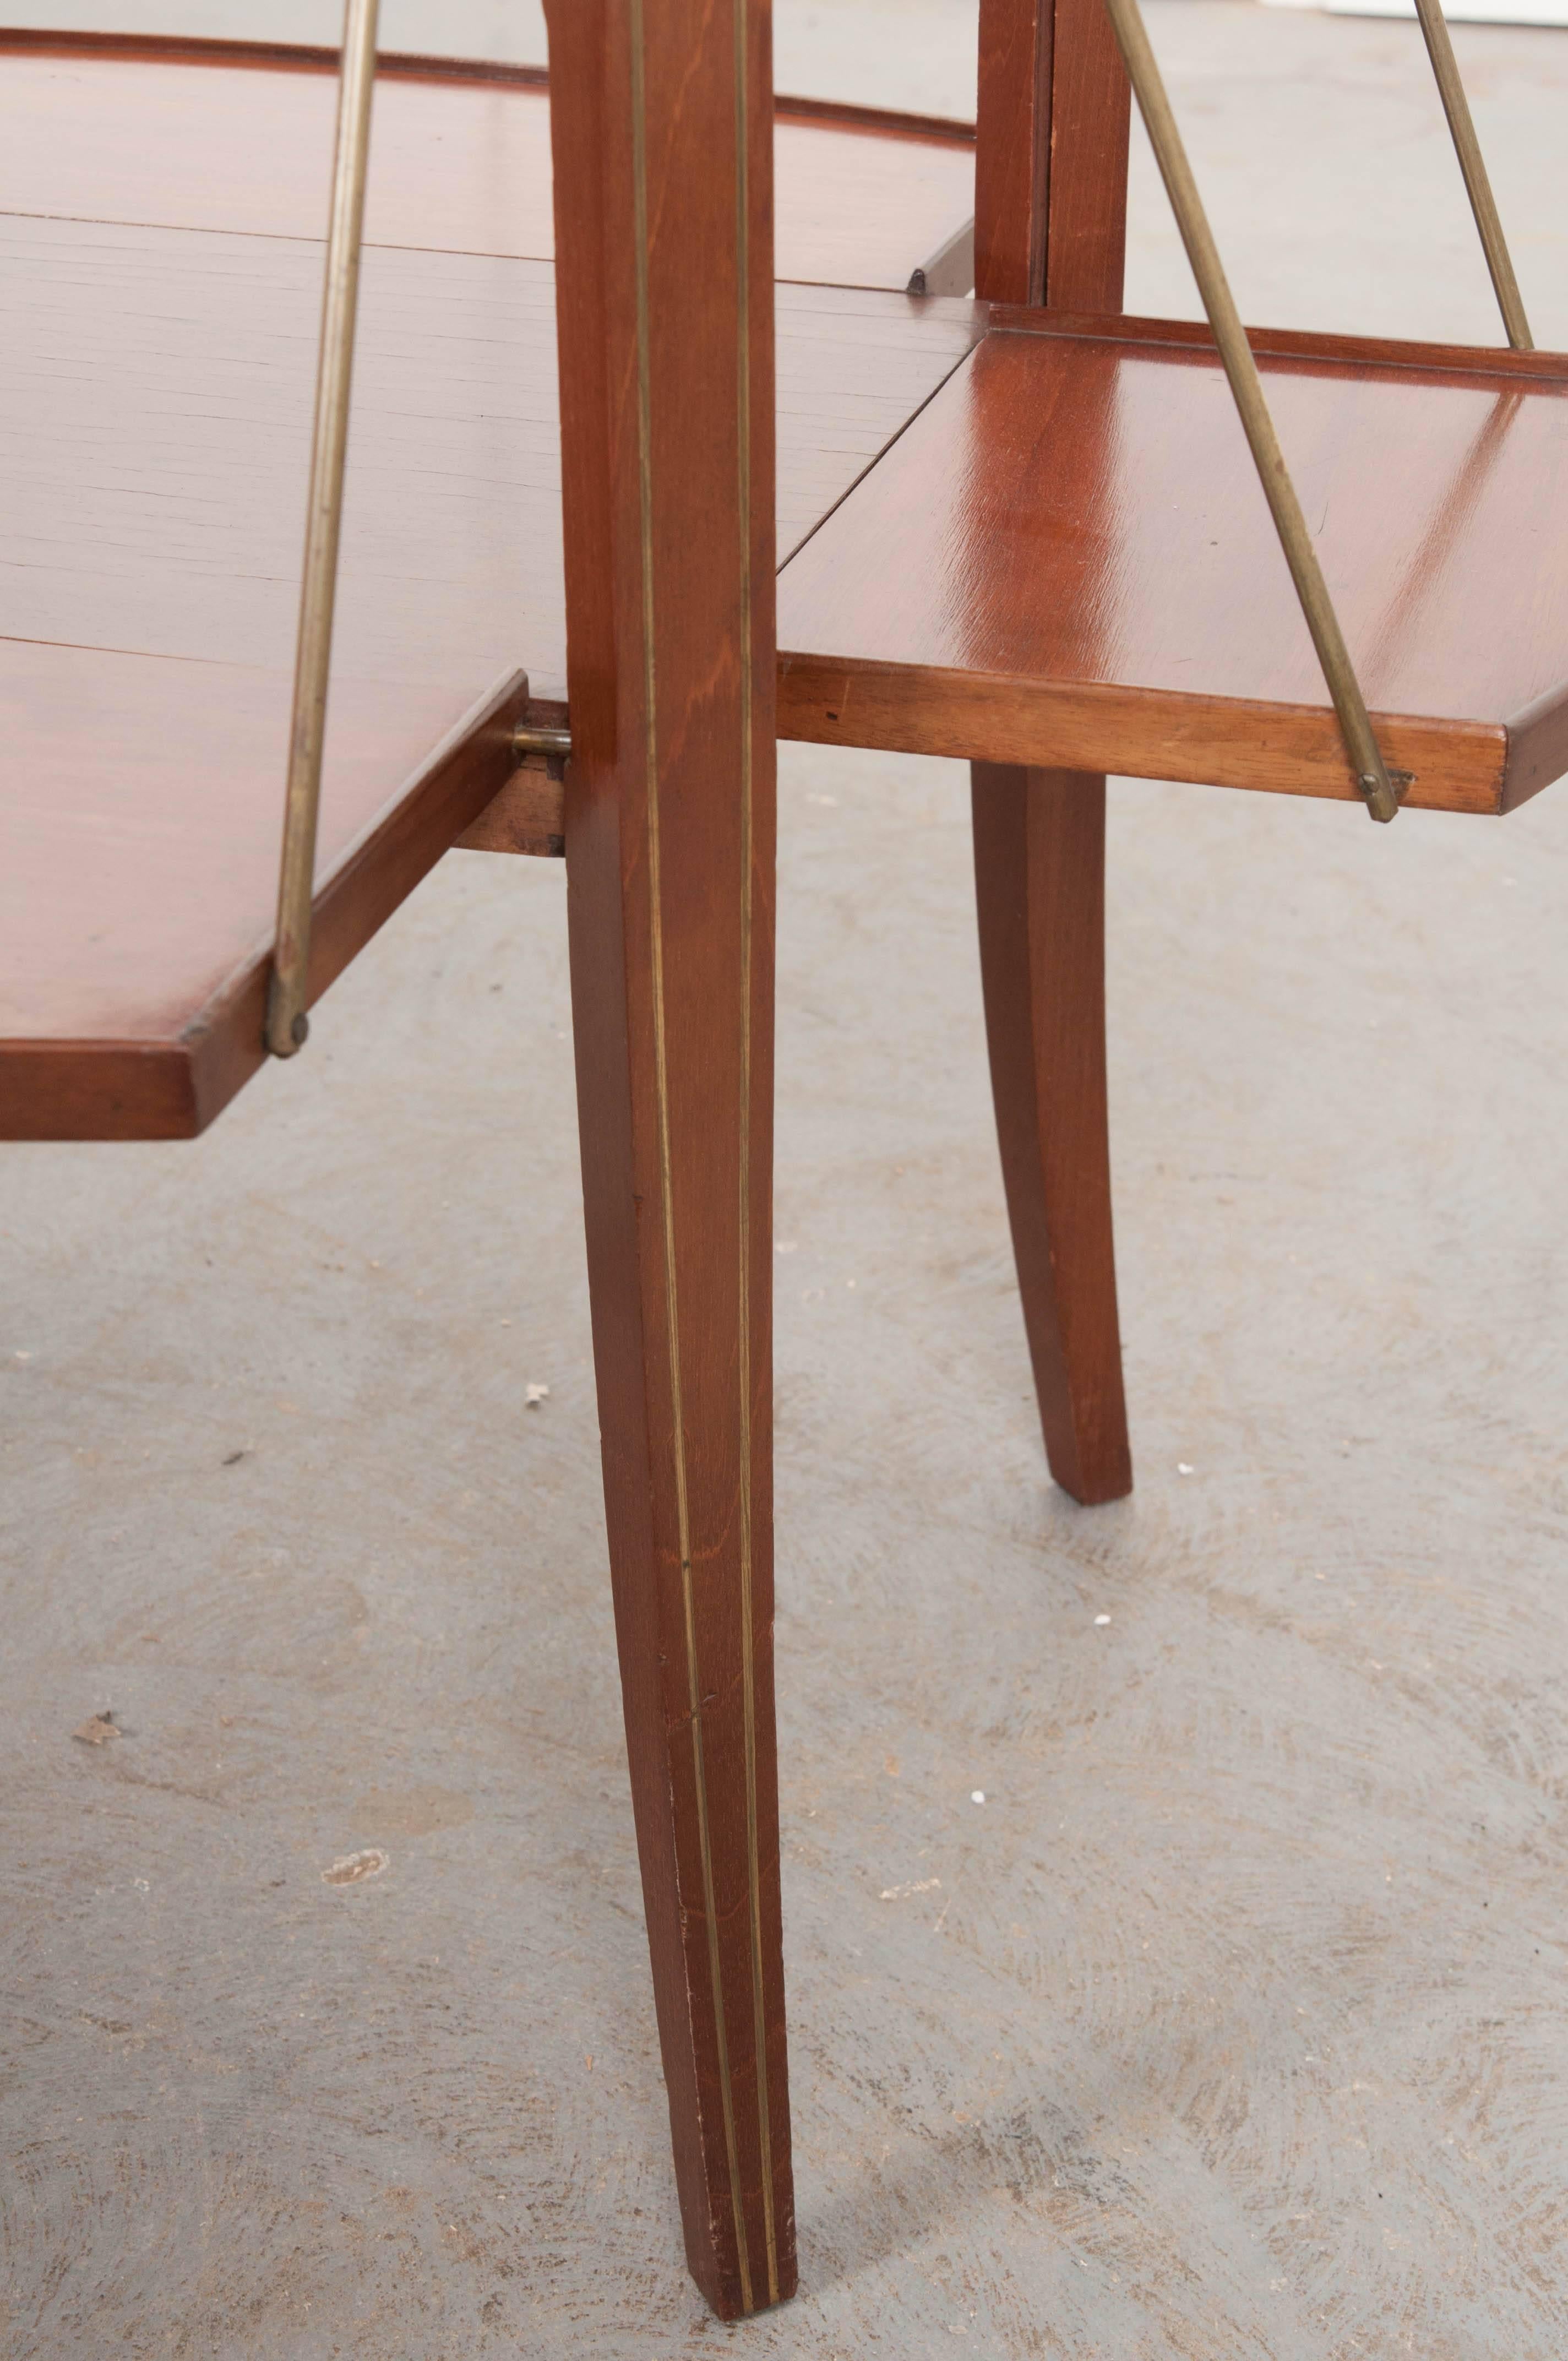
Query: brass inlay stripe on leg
{"points": [[748, 1674], [661, 1095]]}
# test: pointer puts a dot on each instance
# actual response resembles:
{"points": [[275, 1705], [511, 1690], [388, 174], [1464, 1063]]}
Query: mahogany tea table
{"points": [[677, 428]]}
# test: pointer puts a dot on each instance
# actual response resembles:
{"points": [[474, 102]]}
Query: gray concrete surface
{"points": [[1232, 2024]]}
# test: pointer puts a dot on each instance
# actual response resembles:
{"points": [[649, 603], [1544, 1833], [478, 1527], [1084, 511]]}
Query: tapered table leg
{"points": [[677, 1141], [661, 124], [1039, 851]]}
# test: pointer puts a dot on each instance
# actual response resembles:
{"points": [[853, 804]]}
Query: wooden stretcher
{"points": [[1025, 530]]}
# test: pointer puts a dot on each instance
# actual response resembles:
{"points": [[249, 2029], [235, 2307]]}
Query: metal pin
{"points": [[1367, 766], [287, 1025]]}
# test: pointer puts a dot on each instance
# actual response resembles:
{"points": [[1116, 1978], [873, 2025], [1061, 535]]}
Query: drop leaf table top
{"points": [[1067, 560], [160, 262], [1022, 537]]}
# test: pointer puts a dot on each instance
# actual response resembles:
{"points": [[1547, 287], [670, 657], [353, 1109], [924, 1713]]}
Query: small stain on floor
{"points": [[354, 1868]]}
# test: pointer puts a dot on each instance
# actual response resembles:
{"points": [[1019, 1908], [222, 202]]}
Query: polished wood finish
{"points": [[274, 57], [1051, 182], [154, 440], [237, 137], [1067, 561], [401, 65], [154, 433], [661, 116], [1051, 157], [1012, 149], [1254, 744], [1027, 573], [1086, 204], [1409, 357], [1039, 854], [141, 824]]}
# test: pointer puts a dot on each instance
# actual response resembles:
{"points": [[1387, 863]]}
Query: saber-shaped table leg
{"points": [[662, 134], [1039, 859]]}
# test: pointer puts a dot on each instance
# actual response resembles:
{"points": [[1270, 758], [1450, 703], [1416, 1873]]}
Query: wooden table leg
{"points": [[1050, 227], [1039, 853], [661, 124]]}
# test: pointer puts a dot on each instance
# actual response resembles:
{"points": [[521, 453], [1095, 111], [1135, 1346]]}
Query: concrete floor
{"points": [[1232, 2024]]}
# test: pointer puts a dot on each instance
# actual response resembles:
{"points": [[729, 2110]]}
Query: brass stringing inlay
{"points": [[743, 432], [661, 1065]]}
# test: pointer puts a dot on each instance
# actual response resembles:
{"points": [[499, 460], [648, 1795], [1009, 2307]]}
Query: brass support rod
{"points": [[1478, 187], [1366, 762], [287, 1025]]}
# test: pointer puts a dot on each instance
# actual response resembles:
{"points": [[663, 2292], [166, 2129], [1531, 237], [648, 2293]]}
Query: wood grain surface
{"points": [[1229, 2026], [154, 436], [1051, 155], [1051, 167], [199, 140], [1408, 356], [526, 816], [1039, 857], [662, 115], [1013, 146], [156, 416], [1086, 186], [140, 869], [1066, 559]]}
